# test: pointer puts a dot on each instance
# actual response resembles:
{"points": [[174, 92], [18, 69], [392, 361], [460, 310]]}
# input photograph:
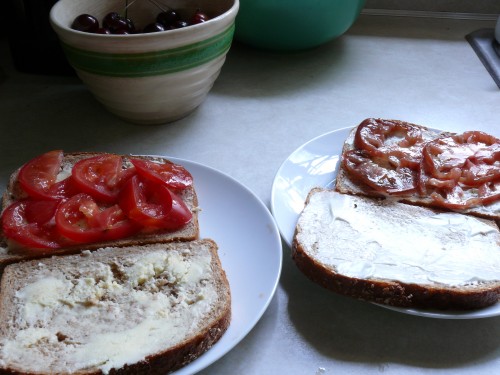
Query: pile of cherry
{"points": [[114, 23]]}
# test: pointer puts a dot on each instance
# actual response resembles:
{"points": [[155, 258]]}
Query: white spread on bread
{"points": [[360, 239], [65, 172], [116, 314]]}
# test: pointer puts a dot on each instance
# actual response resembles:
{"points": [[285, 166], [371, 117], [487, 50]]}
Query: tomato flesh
{"points": [[21, 223], [153, 205], [99, 177], [171, 175], [82, 220], [38, 176], [100, 201]]}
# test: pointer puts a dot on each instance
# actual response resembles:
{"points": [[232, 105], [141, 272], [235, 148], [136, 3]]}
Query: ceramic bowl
{"points": [[148, 78], [294, 24]]}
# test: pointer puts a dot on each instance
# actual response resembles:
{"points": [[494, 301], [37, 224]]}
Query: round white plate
{"points": [[249, 248], [315, 164]]}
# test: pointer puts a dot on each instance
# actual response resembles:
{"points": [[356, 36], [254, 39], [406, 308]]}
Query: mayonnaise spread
{"points": [[358, 238]]}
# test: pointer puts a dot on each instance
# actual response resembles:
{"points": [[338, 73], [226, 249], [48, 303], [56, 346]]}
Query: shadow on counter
{"points": [[349, 330], [271, 73]]}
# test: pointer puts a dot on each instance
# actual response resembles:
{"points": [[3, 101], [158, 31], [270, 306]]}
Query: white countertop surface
{"points": [[263, 106]]}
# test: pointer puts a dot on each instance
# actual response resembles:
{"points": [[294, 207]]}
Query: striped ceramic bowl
{"points": [[149, 78]]}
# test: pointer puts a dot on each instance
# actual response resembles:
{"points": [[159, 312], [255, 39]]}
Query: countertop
{"points": [[262, 107]]}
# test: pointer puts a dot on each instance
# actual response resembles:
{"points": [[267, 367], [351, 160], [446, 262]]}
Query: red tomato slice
{"points": [[40, 212], [64, 189], [38, 176], [172, 175], [153, 206], [23, 222], [386, 139], [100, 177], [382, 178], [82, 220]]}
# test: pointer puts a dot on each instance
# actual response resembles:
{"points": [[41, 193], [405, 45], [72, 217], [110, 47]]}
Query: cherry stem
{"points": [[160, 6]]}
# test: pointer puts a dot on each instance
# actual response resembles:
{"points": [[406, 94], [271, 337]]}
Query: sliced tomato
{"points": [[172, 175], [40, 212], [82, 220], [384, 139], [30, 223], [153, 206], [381, 177], [100, 177], [461, 171], [64, 189], [38, 176]]}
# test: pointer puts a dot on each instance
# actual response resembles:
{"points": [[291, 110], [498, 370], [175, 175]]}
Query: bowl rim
{"points": [[58, 25]]}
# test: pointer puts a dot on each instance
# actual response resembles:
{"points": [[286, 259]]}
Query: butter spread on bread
{"points": [[153, 307], [398, 254]]}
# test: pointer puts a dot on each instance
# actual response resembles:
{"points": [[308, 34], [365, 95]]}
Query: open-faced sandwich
{"points": [[103, 268], [412, 221], [59, 202]]}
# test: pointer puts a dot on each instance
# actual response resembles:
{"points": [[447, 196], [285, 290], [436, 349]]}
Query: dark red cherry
{"points": [[153, 28], [130, 25], [102, 30], [168, 18], [118, 24], [85, 23], [109, 20], [199, 17], [180, 24]]}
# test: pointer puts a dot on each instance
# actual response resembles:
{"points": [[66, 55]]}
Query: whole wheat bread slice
{"points": [[391, 253], [10, 254], [344, 183], [145, 309]]}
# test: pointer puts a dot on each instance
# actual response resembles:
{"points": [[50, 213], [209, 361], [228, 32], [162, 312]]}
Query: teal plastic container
{"points": [[293, 24]]}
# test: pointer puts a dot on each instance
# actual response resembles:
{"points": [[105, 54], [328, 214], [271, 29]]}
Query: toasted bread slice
{"points": [[11, 253], [345, 184], [143, 309], [386, 252]]}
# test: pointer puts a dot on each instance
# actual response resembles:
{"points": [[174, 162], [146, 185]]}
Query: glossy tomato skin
{"points": [[82, 220], [100, 201], [173, 176], [38, 176], [153, 206], [99, 176], [22, 223]]}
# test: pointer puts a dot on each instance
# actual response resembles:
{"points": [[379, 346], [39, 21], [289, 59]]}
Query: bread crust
{"points": [[391, 292], [187, 233], [162, 362]]}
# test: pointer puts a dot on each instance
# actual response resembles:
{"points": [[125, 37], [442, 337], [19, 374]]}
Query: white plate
{"points": [[249, 248], [315, 164]]}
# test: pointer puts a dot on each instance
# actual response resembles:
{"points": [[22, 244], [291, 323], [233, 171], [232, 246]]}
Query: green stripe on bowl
{"points": [[150, 63]]}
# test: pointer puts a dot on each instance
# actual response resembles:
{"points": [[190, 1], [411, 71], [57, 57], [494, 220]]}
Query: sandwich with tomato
{"points": [[58, 202], [102, 264], [412, 221]]}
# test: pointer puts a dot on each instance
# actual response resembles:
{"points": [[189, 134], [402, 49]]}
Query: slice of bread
{"points": [[344, 183], [402, 255], [10, 254], [143, 309]]}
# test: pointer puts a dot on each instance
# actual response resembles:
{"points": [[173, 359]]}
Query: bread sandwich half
{"points": [[412, 221], [132, 310], [13, 251], [418, 165], [396, 254]]}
